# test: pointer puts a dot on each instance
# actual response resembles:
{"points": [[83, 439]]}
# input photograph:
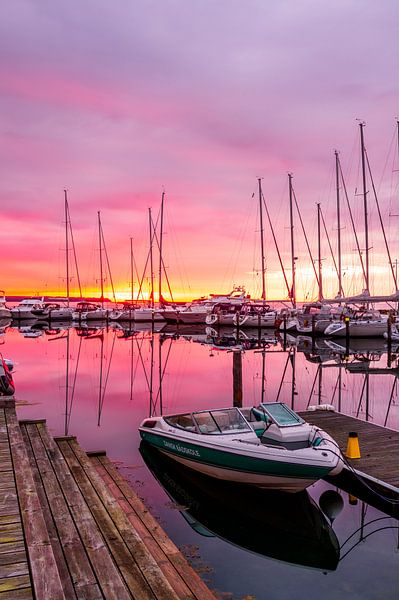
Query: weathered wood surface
{"points": [[184, 580], [43, 566], [14, 570], [71, 527], [140, 571], [379, 446]]}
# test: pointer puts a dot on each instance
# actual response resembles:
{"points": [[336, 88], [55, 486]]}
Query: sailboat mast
{"points": [[340, 290], [160, 250], [293, 291], [66, 245], [101, 260], [131, 267], [151, 258], [366, 226], [262, 244], [319, 252]]}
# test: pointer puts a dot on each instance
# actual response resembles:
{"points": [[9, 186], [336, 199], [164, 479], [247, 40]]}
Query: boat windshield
{"points": [[228, 420], [281, 414]]}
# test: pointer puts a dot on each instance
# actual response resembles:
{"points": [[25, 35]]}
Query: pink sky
{"points": [[119, 101]]}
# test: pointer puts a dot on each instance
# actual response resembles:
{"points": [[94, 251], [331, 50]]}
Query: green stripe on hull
{"points": [[233, 461]]}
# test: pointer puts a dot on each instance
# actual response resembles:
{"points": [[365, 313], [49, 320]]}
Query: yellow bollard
{"points": [[353, 449]]}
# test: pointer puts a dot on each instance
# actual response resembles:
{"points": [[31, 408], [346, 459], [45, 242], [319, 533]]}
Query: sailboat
{"points": [[258, 314], [58, 309], [88, 311]]}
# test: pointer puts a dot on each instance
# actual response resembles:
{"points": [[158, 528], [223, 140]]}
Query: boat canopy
{"points": [[227, 420]]}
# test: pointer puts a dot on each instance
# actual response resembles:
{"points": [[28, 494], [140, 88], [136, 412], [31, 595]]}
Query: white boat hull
{"points": [[286, 484]]}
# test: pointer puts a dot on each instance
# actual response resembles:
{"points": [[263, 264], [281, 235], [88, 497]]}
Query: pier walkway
{"points": [[72, 527], [379, 446]]}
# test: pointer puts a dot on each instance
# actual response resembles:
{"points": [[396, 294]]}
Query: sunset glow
{"points": [[119, 102]]}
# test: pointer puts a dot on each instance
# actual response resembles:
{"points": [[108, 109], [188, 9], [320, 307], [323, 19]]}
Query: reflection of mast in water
{"points": [[156, 402], [365, 393], [102, 389], [69, 390], [161, 373]]}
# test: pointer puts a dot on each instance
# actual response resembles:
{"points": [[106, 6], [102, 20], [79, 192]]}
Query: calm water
{"points": [[99, 384]]}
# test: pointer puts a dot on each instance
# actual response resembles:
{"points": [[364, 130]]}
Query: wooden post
{"points": [[347, 334], [237, 378], [389, 333]]}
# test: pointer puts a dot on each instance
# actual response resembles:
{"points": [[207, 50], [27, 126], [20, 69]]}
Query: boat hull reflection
{"points": [[274, 524]]}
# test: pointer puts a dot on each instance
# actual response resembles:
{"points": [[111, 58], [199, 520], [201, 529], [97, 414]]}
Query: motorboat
{"points": [[124, 312], [257, 314], [361, 324], [280, 526], [268, 446], [5, 313], [24, 309], [7, 387], [53, 311], [89, 311], [195, 312], [315, 317], [223, 314]]}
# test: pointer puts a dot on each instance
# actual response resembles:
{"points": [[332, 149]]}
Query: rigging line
{"points": [[142, 361], [329, 242], [390, 401], [306, 237], [283, 375], [74, 251], [335, 388], [162, 375], [108, 265], [381, 222], [142, 278], [361, 397], [366, 536], [107, 375], [277, 248], [162, 261], [313, 386], [74, 385], [351, 218]]}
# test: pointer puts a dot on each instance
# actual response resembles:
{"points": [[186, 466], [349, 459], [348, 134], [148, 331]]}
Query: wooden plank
{"points": [[21, 594], [109, 578], [188, 574], [132, 575], [9, 584], [13, 546], [149, 567], [14, 518], [14, 569], [166, 565], [44, 570], [63, 570], [74, 553], [12, 557]]}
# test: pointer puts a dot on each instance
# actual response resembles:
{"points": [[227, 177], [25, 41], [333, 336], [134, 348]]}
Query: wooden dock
{"points": [[378, 465], [72, 527]]}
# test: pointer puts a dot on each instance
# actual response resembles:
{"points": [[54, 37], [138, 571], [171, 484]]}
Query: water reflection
{"points": [[99, 383], [279, 525]]}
